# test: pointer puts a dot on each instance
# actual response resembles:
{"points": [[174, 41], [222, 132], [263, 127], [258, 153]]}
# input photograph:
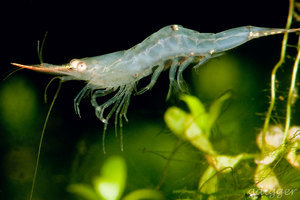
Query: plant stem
{"points": [[273, 75], [290, 98]]}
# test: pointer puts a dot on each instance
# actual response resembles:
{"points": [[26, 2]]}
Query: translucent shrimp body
{"points": [[173, 47], [169, 43]]}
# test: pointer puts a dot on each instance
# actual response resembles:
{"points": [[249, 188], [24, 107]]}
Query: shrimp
{"points": [[172, 47]]}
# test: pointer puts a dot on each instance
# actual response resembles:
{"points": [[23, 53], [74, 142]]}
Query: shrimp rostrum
{"points": [[172, 47]]}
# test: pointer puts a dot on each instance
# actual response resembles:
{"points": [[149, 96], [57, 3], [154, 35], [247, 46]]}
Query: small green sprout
{"points": [[196, 126], [111, 183]]}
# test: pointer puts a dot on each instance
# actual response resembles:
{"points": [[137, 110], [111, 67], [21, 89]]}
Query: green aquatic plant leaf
{"points": [[293, 156], [111, 184], [208, 183], [215, 110], [83, 190], [175, 119], [144, 194], [195, 127], [269, 157], [197, 137], [184, 126], [266, 180], [225, 163], [197, 110]]}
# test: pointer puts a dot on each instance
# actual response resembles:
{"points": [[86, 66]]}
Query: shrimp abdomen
{"points": [[234, 37]]}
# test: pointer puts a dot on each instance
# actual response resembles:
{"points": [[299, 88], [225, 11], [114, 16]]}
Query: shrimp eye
{"points": [[81, 66], [78, 65]]}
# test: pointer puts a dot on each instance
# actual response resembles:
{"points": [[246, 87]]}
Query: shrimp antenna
{"points": [[10, 73], [46, 88], [41, 140], [40, 48]]}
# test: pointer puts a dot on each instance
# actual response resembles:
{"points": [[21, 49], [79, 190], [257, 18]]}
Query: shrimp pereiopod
{"points": [[173, 47]]}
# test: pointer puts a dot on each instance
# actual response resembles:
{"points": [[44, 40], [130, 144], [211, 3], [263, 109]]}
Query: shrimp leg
{"points": [[123, 108], [125, 99], [83, 92], [154, 78], [99, 109], [106, 124], [120, 121], [206, 58], [186, 63], [78, 98], [172, 74], [111, 113], [182, 67]]}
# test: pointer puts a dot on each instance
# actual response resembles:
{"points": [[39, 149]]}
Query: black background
{"points": [[88, 28]]}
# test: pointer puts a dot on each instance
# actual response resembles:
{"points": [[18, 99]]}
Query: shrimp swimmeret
{"points": [[173, 47]]}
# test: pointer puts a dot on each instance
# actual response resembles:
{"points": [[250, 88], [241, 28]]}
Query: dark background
{"points": [[87, 28], [90, 28]]}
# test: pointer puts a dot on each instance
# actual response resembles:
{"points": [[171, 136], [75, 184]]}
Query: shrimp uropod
{"points": [[173, 47]]}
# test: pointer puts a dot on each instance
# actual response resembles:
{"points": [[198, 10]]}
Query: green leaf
{"points": [[184, 126], [197, 109], [293, 156], [224, 163], [197, 137], [111, 184], [273, 138], [144, 194], [194, 104], [215, 110], [266, 180], [209, 182], [175, 119], [269, 157], [83, 190]]}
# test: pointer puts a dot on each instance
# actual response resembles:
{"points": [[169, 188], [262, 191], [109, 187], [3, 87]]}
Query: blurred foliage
{"points": [[110, 184], [265, 184], [18, 107], [208, 147]]}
